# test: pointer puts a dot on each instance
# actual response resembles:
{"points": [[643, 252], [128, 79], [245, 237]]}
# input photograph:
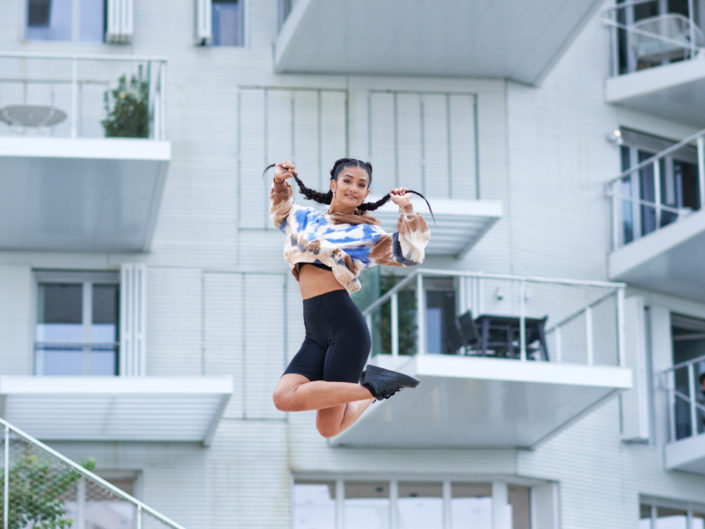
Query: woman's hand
{"points": [[400, 197], [284, 170]]}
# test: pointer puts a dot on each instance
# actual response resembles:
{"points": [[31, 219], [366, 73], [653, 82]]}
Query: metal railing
{"points": [[687, 409], [632, 203], [584, 319], [82, 96], [651, 41], [42, 488]]}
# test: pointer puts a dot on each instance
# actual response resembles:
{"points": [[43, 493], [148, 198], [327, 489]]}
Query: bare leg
{"points": [[298, 393], [332, 421]]}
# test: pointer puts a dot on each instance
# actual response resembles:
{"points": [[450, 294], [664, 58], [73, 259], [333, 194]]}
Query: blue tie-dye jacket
{"points": [[346, 243]]}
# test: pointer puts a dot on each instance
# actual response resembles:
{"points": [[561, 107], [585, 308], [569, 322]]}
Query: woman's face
{"points": [[350, 188]]}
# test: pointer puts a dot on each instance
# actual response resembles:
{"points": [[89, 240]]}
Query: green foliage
{"points": [[406, 307], [128, 108], [38, 490]]}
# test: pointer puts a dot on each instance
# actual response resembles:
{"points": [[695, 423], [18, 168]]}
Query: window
{"points": [[664, 514], [100, 507], [227, 22], [77, 325], [380, 504], [66, 20]]}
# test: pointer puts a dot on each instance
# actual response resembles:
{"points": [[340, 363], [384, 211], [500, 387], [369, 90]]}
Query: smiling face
{"points": [[350, 188]]}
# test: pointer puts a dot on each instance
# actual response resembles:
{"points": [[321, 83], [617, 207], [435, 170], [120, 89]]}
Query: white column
{"points": [[395, 325], [588, 336], [500, 500], [421, 314], [133, 319]]}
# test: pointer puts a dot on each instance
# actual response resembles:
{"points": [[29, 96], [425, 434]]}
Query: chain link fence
{"points": [[39, 489]]}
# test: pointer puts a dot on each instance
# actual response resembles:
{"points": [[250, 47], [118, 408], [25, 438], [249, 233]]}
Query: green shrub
{"points": [[128, 108]]}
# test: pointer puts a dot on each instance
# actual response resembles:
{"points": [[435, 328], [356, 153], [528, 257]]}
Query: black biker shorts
{"points": [[337, 341]]}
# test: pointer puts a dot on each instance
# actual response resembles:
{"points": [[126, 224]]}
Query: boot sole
{"points": [[405, 380]]}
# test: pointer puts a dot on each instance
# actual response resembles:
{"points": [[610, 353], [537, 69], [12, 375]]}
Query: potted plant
{"points": [[127, 107]]}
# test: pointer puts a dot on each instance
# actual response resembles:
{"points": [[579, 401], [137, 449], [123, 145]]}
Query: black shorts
{"points": [[337, 341]]}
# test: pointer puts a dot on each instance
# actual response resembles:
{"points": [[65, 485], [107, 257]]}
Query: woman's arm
{"points": [[405, 247], [281, 194]]}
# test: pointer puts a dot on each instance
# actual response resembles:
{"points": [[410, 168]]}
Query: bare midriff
{"points": [[314, 281]]}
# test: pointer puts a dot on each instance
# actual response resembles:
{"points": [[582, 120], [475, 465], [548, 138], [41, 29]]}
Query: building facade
{"points": [[146, 312]]}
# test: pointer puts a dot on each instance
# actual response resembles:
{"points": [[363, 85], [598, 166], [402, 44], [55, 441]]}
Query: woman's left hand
{"points": [[400, 197]]}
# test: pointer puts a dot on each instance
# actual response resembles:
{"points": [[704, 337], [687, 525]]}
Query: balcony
{"points": [[83, 151], [115, 408], [658, 224], [658, 61], [542, 353], [500, 39], [686, 447]]}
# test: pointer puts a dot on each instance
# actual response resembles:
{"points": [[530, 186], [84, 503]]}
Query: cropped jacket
{"points": [[347, 243]]}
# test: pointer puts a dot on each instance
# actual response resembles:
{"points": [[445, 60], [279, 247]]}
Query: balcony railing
{"points": [[42, 488], [645, 42], [74, 96], [583, 320], [634, 217], [686, 400]]}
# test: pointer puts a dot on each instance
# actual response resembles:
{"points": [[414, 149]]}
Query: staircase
{"points": [[42, 488]]}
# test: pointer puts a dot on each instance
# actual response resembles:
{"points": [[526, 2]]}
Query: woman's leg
{"points": [[297, 393], [332, 421]]}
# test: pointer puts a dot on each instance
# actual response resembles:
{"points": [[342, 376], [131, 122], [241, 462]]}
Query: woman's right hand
{"points": [[284, 170]]}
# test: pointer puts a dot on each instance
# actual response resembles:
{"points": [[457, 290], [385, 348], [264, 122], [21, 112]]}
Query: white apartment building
{"points": [[557, 325]]}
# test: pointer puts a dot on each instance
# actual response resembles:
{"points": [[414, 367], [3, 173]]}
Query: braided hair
{"points": [[338, 166]]}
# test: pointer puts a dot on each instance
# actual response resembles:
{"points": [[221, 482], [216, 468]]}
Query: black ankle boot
{"points": [[383, 383]]}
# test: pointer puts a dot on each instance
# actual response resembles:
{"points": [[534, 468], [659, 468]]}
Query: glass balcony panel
{"points": [[64, 361], [314, 505], [697, 520], [667, 518], [420, 505], [645, 516], [471, 505], [367, 504]]}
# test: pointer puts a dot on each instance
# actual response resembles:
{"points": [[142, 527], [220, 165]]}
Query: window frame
{"points": [[83, 278], [75, 24], [653, 502], [499, 490]]}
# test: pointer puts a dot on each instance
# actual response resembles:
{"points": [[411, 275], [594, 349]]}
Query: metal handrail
{"points": [[82, 56], [685, 363], [78, 468], [392, 297], [642, 202], [657, 156], [483, 275]]}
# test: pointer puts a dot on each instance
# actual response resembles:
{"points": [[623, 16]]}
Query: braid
{"points": [[323, 198], [371, 206]]}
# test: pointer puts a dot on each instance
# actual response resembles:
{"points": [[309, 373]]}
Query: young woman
{"points": [[327, 252]]}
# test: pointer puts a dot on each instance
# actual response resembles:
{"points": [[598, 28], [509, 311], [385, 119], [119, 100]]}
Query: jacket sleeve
{"points": [[405, 247], [280, 203]]}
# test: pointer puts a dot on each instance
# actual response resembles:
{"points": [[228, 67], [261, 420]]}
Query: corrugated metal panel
{"points": [[223, 333], [174, 322]]}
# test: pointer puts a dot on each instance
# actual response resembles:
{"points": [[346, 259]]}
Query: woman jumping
{"points": [[327, 252]]}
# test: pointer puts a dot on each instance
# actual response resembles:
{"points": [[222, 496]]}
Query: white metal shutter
{"points": [[635, 402], [133, 320], [203, 29], [307, 126], [120, 17]]}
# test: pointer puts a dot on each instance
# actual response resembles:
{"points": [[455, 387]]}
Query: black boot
{"points": [[383, 383]]}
